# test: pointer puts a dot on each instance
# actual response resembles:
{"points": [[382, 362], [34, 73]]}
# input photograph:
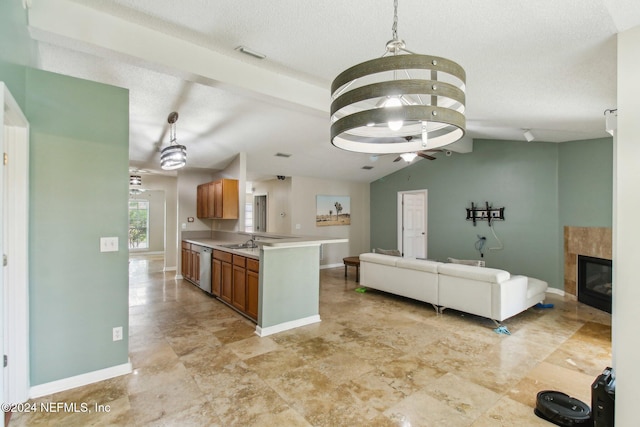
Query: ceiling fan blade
{"points": [[426, 156], [398, 159]]}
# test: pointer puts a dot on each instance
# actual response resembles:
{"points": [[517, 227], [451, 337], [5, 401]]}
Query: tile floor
{"points": [[374, 360]]}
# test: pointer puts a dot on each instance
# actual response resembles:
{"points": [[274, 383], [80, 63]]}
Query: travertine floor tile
{"points": [[374, 360]]}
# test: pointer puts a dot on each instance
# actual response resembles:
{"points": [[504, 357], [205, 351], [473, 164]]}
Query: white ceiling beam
{"points": [[57, 21]]}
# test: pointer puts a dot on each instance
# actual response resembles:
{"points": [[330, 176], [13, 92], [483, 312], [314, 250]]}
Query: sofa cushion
{"points": [[418, 264], [476, 263], [379, 259], [482, 274]]}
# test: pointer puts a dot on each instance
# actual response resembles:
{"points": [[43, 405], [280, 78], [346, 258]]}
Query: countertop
{"points": [[263, 240], [219, 244]]}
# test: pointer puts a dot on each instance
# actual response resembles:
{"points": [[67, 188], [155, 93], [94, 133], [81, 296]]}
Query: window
{"points": [[138, 224], [248, 216]]}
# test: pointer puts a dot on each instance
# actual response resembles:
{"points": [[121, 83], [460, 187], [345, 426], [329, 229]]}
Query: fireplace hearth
{"points": [[595, 282]]}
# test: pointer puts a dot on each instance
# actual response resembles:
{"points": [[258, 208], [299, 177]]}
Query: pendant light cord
{"points": [[394, 28]]}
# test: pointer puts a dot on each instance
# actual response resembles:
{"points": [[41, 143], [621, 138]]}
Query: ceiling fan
{"points": [[408, 157]]}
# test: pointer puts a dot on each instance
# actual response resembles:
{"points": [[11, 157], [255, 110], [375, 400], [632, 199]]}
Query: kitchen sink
{"points": [[239, 246]]}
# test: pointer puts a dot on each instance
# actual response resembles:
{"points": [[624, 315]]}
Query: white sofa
{"points": [[486, 292]]}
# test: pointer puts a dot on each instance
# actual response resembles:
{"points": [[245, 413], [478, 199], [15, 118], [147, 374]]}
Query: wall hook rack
{"points": [[487, 213]]}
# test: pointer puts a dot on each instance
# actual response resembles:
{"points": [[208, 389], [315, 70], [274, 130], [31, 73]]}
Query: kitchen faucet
{"points": [[251, 243]]}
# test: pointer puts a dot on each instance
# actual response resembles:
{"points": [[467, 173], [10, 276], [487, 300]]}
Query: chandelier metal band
{"points": [[395, 87], [399, 62], [173, 157]]}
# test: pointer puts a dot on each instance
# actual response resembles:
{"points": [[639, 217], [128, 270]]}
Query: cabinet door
{"points": [[186, 263], [217, 200], [230, 203], [210, 199], [199, 202], [252, 294], [227, 282], [239, 288], [216, 277]]}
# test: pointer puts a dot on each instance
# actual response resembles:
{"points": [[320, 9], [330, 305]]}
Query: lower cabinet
{"points": [[239, 299], [253, 278], [186, 260], [191, 262], [234, 280], [216, 277], [222, 275], [195, 264]]}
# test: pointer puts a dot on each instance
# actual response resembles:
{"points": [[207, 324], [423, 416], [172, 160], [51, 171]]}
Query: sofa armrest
{"points": [[509, 297]]}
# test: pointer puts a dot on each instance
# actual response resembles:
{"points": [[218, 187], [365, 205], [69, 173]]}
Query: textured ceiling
{"points": [[543, 65]]}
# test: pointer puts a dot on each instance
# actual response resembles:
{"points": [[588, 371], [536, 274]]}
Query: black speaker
{"points": [[603, 399]]}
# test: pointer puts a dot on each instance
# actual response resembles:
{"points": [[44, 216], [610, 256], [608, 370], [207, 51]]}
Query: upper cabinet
{"points": [[218, 199]]}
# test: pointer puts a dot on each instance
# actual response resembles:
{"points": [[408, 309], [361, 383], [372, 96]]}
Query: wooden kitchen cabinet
{"points": [[218, 199], [239, 299], [204, 200], [234, 279], [195, 263], [216, 277], [222, 271], [191, 262], [253, 278]]}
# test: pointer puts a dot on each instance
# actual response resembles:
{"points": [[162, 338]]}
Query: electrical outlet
{"points": [[117, 333], [108, 244]]}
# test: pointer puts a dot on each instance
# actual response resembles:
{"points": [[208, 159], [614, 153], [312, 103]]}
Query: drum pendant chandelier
{"points": [[175, 155], [401, 102]]}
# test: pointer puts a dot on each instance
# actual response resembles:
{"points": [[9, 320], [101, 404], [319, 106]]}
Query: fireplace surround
{"points": [[587, 241], [594, 282]]}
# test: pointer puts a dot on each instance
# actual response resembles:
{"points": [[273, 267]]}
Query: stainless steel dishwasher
{"points": [[205, 269]]}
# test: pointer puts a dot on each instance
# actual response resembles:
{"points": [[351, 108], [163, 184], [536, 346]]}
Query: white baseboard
{"points": [[79, 380], [270, 330], [179, 276], [143, 253], [555, 291], [323, 266], [170, 269]]}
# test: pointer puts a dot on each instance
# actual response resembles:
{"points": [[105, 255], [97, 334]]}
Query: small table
{"points": [[352, 261]]}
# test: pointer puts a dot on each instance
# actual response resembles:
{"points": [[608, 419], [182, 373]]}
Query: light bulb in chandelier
{"points": [[394, 102], [408, 157]]}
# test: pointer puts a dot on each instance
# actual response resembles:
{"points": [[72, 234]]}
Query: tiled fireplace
{"points": [[589, 242]]}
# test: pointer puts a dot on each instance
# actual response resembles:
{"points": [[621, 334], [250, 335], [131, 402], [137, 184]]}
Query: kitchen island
{"points": [[288, 285]]}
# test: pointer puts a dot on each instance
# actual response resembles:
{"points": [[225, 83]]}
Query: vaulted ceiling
{"points": [[543, 65]]}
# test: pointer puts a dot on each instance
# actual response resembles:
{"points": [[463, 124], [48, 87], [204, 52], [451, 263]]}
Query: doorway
{"points": [[260, 213], [14, 141], [412, 223]]}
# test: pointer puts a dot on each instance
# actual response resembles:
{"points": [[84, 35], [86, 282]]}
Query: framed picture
{"points": [[333, 210]]}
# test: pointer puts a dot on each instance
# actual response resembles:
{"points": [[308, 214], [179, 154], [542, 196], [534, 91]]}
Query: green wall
{"points": [[528, 179], [79, 143], [586, 183], [78, 193]]}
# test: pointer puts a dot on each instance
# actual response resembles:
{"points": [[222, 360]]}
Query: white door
{"points": [[14, 141], [413, 223]]}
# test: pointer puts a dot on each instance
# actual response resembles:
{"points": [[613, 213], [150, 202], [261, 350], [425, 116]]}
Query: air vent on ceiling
{"points": [[367, 167], [285, 155]]}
